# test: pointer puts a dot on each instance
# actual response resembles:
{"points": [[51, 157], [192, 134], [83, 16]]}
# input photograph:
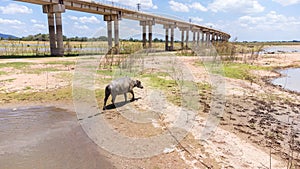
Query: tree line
{"points": [[45, 37]]}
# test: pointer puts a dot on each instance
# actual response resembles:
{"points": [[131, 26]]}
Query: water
{"points": [[290, 79], [46, 137], [282, 49]]}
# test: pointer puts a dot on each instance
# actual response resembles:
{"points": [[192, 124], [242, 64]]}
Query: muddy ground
{"points": [[259, 118]]}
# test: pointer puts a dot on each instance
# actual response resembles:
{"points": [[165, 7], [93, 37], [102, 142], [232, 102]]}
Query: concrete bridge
{"points": [[113, 14]]}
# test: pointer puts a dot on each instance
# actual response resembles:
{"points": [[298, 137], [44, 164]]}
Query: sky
{"points": [[244, 20]]}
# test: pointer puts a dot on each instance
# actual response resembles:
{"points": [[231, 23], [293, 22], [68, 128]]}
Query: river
{"points": [[290, 79], [46, 137]]}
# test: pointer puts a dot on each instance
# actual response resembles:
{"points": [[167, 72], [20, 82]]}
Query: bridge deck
{"points": [[106, 9]]}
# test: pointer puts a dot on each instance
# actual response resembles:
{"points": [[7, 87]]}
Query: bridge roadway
{"points": [[113, 14]]}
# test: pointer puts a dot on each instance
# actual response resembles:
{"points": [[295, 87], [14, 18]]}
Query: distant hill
{"points": [[6, 36]]}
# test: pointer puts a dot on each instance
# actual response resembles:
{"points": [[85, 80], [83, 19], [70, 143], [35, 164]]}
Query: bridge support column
{"points": [[182, 39], [55, 28], [144, 25], [144, 36], [116, 28], [52, 34], [59, 35], [187, 39], [207, 38], [213, 39], [167, 39], [194, 36], [109, 19], [109, 34], [198, 37], [202, 37], [150, 35], [172, 38], [171, 28]]}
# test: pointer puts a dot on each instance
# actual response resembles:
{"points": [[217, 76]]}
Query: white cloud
{"points": [[178, 7], [39, 26], [10, 21], [85, 19], [287, 2], [243, 6], [13, 8], [198, 6], [269, 22], [155, 7], [81, 27], [197, 20], [33, 21]]}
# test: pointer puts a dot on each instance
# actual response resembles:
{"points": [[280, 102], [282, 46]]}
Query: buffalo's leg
{"points": [[107, 93], [125, 96], [113, 99], [132, 96]]}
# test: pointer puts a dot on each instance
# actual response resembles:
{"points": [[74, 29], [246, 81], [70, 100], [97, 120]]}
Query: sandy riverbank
{"points": [[257, 116]]}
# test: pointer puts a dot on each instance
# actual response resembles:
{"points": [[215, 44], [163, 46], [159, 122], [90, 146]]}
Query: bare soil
{"points": [[259, 118]]}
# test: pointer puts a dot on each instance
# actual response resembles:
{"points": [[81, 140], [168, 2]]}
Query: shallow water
{"points": [[282, 49], [290, 79], [46, 137]]}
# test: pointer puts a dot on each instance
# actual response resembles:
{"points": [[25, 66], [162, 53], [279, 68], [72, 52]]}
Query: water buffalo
{"points": [[121, 86]]}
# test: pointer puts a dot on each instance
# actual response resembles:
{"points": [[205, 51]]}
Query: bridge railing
{"points": [[115, 4]]}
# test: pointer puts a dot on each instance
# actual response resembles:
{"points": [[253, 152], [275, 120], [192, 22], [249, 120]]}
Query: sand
{"points": [[256, 115]]}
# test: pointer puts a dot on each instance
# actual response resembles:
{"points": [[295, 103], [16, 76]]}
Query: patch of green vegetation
{"points": [[241, 70], [27, 88], [65, 63], [3, 73], [8, 80], [235, 70], [41, 70], [204, 86], [160, 80], [106, 72], [46, 96], [100, 96], [16, 65]]}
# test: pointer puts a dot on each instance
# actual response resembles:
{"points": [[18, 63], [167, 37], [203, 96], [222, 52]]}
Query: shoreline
{"points": [[268, 80]]}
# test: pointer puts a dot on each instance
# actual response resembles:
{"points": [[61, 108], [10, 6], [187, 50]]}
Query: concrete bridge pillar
{"points": [[198, 37], [52, 35], [150, 35], [171, 28], [202, 37], [182, 39], [59, 34], [167, 39], [55, 28], [187, 39], [117, 41], [172, 38], [109, 33], [144, 36], [109, 19], [184, 42], [213, 37], [194, 36], [144, 25], [207, 37]]}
